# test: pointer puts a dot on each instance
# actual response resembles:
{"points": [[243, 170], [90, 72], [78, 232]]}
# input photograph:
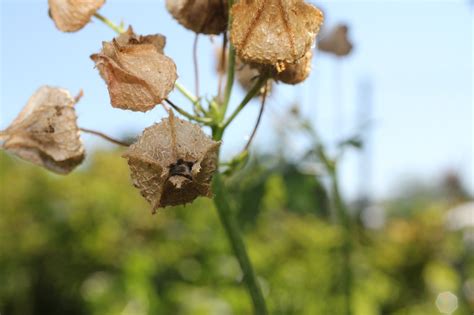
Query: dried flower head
{"points": [[72, 15], [336, 42], [136, 71], [274, 31], [172, 163], [296, 72], [200, 16], [46, 132]]}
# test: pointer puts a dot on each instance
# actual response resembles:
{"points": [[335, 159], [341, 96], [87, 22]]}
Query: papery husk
{"points": [[137, 73], [297, 72], [200, 16], [274, 32], [165, 144], [336, 42], [72, 15], [46, 133]]}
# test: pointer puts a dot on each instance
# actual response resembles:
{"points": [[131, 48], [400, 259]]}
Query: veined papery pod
{"points": [[72, 15], [172, 163], [297, 72], [336, 42], [46, 132], [200, 16], [274, 32], [137, 73]]}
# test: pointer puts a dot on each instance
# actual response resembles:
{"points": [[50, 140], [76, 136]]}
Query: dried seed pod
{"points": [[200, 16], [296, 72], [274, 31], [72, 15], [46, 132], [336, 42], [137, 73], [172, 163]]}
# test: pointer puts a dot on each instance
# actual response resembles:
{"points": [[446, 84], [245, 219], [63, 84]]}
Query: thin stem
{"points": [[259, 118], [106, 137], [346, 249], [196, 65], [193, 99], [255, 89], [230, 66], [222, 64], [186, 114], [117, 28], [227, 219]]}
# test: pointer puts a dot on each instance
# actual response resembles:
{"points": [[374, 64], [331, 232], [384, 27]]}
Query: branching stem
{"points": [[203, 120]]}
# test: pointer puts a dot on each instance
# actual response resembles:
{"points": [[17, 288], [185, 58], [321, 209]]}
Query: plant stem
{"points": [[228, 221], [203, 120], [104, 136], [346, 249], [230, 65], [255, 89], [118, 29], [260, 114], [196, 64], [193, 99]]}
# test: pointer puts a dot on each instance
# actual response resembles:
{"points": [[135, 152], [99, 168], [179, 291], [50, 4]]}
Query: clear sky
{"points": [[415, 55]]}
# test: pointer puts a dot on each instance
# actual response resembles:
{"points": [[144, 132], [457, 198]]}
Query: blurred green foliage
{"points": [[87, 244]]}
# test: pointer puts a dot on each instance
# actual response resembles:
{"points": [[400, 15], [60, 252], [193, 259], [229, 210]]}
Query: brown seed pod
{"points": [[336, 42], [172, 163], [137, 73], [200, 16], [72, 15], [46, 132], [296, 72], [274, 31]]}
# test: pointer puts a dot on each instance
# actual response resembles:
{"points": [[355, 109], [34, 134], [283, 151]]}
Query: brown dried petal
{"points": [[72, 15], [200, 16], [137, 73], [336, 42], [46, 132], [171, 170], [274, 31], [297, 72]]}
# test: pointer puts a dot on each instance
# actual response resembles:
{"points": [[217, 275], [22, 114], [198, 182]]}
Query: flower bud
{"points": [[137, 73], [46, 132], [200, 16], [274, 32], [72, 15], [172, 163]]}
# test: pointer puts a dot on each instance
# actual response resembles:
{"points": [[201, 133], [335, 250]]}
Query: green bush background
{"points": [[87, 244]]}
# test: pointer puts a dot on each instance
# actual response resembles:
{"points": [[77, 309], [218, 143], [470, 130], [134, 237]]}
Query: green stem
{"points": [[230, 80], [118, 29], [346, 249], [193, 99], [221, 201], [255, 89], [203, 120], [230, 66]]}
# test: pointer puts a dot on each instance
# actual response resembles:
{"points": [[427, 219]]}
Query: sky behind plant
{"points": [[412, 62]]}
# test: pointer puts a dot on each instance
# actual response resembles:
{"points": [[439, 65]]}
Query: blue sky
{"points": [[415, 55]]}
